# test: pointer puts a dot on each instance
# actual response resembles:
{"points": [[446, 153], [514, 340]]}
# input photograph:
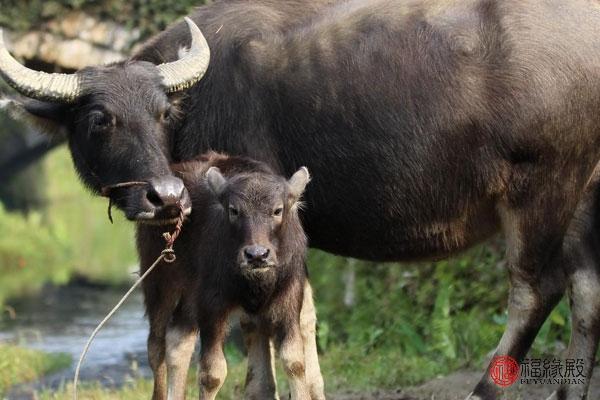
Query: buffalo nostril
{"points": [[166, 191], [154, 198]]}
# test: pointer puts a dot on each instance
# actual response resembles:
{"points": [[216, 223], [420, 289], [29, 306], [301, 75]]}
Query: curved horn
{"points": [[61, 88], [189, 69]]}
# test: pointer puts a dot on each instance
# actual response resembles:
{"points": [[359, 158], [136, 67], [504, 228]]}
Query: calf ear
{"points": [[49, 118], [216, 181], [298, 182]]}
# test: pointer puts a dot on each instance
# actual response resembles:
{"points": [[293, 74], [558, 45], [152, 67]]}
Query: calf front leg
{"points": [[181, 341], [260, 378], [160, 305], [156, 359], [291, 352], [213, 366], [308, 327]]}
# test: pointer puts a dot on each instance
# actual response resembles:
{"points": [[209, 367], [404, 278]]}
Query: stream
{"points": [[60, 320]]}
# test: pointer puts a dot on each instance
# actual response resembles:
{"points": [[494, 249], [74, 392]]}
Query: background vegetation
{"points": [[147, 15], [407, 323]]}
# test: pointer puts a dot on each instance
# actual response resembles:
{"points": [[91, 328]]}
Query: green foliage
{"points": [[150, 16], [100, 251], [21, 365], [30, 254], [71, 237], [411, 322]]}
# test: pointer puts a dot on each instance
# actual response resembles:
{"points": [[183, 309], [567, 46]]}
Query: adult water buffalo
{"points": [[429, 126]]}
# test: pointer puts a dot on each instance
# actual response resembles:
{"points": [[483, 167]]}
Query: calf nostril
{"points": [[256, 253]]}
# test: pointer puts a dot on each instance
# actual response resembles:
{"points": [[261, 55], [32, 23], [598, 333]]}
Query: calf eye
{"points": [[278, 211], [233, 212]]}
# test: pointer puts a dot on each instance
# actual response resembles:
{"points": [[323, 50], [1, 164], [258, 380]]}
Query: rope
{"points": [[168, 255], [106, 190]]}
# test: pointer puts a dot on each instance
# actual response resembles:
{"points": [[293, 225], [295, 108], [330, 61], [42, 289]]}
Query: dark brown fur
{"points": [[206, 282]]}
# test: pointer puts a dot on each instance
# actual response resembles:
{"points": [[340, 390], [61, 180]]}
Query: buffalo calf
{"points": [[242, 248]]}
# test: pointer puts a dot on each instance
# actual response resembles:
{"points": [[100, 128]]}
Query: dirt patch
{"points": [[457, 386]]}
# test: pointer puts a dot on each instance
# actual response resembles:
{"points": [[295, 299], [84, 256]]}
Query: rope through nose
{"points": [[106, 190]]}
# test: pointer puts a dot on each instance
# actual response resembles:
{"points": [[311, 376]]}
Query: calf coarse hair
{"points": [[243, 247]]}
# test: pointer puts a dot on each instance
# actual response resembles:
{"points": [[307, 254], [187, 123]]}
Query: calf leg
{"points": [[536, 279], [308, 328], [260, 379], [213, 366], [160, 304], [181, 340], [291, 350], [156, 358]]}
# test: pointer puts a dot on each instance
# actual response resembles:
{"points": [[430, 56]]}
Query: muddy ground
{"points": [[456, 387]]}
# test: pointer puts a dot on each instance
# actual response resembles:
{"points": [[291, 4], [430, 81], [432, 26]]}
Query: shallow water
{"points": [[61, 320]]}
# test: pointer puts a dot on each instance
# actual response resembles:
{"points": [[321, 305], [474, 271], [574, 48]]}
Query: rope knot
{"points": [[169, 255]]}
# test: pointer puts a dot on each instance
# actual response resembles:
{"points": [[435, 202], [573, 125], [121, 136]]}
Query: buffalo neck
{"points": [[234, 107]]}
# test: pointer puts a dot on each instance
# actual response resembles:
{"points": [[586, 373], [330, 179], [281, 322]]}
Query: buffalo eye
{"points": [[166, 114], [233, 212], [100, 121], [278, 211]]}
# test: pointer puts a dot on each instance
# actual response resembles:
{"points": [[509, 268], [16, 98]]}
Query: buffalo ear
{"points": [[298, 182], [216, 181], [49, 118]]}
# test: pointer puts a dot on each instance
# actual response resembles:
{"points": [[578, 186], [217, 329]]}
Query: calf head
{"points": [[261, 212], [116, 119]]}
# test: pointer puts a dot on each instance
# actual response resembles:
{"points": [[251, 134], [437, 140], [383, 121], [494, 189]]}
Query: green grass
{"points": [[142, 388], [19, 365]]}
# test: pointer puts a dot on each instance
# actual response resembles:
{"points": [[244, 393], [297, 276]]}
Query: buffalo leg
{"points": [[582, 246], [260, 378], [213, 366], [537, 281], [308, 327], [585, 325]]}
